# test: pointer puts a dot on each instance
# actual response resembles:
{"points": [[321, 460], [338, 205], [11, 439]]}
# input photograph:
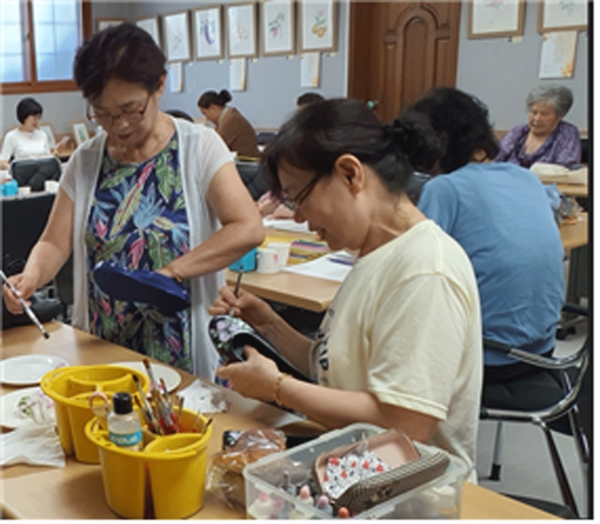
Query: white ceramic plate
{"points": [[41, 409], [27, 370], [169, 375]]}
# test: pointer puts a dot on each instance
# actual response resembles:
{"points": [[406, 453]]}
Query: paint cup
{"points": [[268, 260], [283, 252], [24, 191], [51, 186]]}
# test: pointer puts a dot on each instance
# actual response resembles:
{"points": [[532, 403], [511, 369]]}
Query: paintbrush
{"points": [[26, 307], [236, 290], [147, 406]]}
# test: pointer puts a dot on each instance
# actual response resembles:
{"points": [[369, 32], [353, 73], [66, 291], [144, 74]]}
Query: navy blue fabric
{"points": [[140, 285]]}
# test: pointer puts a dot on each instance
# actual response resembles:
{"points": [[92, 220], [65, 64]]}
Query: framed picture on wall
{"points": [[150, 25], [318, 25], [208, 32], [104, 23], [47, 129], [80, 132], [496, 19], [277, 27], [241, 30], [177, 37], [562, 16]]}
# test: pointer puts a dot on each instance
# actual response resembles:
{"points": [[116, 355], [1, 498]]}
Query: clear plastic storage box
{"points": [[265, 498]]}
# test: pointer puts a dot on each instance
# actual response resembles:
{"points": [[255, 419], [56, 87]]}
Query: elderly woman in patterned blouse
{"points": [[546, 137]]}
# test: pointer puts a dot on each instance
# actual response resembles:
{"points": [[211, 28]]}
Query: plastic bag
{"points": [[225, 477], [33, 445]]}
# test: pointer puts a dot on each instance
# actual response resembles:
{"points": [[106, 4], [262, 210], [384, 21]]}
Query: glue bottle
{"points": [[124, 427]]}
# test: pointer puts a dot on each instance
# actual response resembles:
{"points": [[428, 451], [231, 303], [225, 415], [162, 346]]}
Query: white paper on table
{"points": [[558, 54], [323, 267], [237, 74], [286, 224], [175, 77], [310, 65]]}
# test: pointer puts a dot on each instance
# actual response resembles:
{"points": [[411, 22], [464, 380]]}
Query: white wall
{"points": [[499, 72]]}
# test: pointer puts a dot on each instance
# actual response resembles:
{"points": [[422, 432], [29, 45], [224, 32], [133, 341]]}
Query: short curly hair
{"points": [[460, 121], [559, 97]]}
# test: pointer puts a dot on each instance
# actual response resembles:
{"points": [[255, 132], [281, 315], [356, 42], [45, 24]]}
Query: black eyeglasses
{"points": [[107, 120], [293, 203]]}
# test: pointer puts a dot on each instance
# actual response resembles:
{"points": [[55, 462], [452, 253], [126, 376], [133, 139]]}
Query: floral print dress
{"points": [[138, 220]]}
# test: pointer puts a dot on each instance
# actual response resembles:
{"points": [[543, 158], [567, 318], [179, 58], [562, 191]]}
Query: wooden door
{"points": [[400, 50]]}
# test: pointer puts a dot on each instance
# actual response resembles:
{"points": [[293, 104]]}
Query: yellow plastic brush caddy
{"points": [[169, 474], [70, 389]]}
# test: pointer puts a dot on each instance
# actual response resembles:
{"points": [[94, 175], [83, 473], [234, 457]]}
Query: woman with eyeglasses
{"points": [[400, 345], [151, 192]]}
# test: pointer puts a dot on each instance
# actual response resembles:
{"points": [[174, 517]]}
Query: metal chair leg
{"points": [[497, 458], [561, 475]]}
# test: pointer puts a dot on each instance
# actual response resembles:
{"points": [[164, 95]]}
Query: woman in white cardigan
{"points": [[148, 192]]}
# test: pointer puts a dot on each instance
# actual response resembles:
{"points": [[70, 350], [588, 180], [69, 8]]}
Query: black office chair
{"points": [[34, 172], [264, 137], [253, 177], [548, 398]]}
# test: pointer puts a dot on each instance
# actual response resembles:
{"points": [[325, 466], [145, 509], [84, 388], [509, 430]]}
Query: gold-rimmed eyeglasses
{"points": [[105, 119]]}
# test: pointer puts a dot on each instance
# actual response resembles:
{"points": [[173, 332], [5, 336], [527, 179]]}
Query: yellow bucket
{"points": [[70, 388], [176, 465]]}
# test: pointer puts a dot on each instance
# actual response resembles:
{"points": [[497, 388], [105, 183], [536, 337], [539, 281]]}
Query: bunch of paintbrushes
{"points": [[158, 411]]}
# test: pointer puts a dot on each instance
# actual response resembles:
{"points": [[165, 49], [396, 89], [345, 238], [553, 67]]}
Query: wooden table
{"points": [[315, 294], [575, 234], [575, 190], [76, 491]]}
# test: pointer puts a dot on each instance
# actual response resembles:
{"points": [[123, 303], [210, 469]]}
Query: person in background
{"points": [[147, 192], [308, 98], [546, 137], [27, 141], [235, 130], [499, 213], [400, 345], [268, 205]]}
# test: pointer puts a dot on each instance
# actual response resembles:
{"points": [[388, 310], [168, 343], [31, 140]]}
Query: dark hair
{"points": [[126, 52], [314, 138], [179, 114], [309, 98], [459, 120], [212, 97], [27, 107]]}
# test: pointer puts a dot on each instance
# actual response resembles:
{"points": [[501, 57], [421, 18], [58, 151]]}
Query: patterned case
{"points": [[409, 469], [229, 336]]}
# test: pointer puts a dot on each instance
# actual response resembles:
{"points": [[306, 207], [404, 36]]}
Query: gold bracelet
{"points": [[175, 273], [277, 388]]}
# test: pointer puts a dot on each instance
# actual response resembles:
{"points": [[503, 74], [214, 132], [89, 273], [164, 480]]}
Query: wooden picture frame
{"points": [[318, 25], [176, 34], [47, 129], [80, 132], [562, 16], [105, 23], [208, 32], [277, 27], [488, 20], [151, 25], [241, 30]]}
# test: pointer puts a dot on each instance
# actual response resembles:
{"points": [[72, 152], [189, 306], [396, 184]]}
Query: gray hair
{"points": [[559, 97]]}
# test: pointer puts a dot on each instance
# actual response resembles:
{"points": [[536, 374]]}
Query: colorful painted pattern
{"points": [[138, 221]]}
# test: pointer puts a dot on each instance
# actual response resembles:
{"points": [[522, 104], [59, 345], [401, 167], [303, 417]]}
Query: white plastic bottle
{"points": [[124, 428]]}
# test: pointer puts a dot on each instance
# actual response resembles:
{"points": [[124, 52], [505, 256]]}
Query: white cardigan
{"points": [[201, 153]]}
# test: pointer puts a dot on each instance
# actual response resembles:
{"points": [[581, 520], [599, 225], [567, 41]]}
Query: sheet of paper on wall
{"points": [[175, 77], [237, 74], [310, 67], [558, 54]]}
